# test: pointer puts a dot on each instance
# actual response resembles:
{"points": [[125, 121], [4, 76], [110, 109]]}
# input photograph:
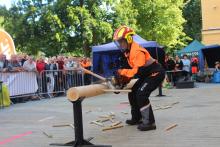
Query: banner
{"points": [[6, 44]]}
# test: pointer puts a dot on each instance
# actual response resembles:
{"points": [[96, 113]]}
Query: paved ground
{"points": [[197, 116]]}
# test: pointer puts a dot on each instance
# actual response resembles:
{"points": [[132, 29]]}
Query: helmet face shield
{"points": [[122, 45]]}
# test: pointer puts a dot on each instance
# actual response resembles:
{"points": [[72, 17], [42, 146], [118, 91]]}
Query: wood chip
{"points": [[166, 107], [175, 103], [106, 119], [112, 120], [63, 125], [72, 126], [171, 127], [124, 112], [88, 111], [116, 123], [46, 134], [111, 128], [97, 123], [107, 116]]}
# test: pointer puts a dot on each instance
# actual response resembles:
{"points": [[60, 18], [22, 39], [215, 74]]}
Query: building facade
{"points": [[210, 21]]}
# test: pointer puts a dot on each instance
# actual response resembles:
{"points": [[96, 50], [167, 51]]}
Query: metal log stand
{"points": [[78, 124], [160, 91]]}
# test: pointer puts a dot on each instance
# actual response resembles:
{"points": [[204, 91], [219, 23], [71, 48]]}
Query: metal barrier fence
{"points": [[47, 83], [58, 81], [20, 84]]}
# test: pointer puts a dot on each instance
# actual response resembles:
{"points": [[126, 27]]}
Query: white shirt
{"points": [[29, 66], [186, 65]]}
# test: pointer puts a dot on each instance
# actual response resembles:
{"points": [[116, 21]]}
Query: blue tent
{"points": [[192, 49], [107, 57], [111, 46], [209, 54]]}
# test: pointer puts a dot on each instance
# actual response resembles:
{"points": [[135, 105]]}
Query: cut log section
{"points": [[74, 93]]}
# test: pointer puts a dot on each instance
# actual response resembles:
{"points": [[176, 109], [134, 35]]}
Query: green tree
{"points": [[124, 13], [193, 16], [161, 20]]}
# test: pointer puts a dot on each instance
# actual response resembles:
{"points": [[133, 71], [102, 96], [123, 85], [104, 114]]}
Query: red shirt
{"points": [[60, 65], [40, 66]]}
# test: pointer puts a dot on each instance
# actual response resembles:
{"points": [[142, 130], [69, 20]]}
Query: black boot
{"points": [[135, 118], [148, 120]]}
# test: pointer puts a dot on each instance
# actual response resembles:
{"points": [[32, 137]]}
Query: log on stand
{"points": [[76, 96], [78, 126]]}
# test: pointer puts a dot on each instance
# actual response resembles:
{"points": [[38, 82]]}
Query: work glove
{"points": [[122, 80]]}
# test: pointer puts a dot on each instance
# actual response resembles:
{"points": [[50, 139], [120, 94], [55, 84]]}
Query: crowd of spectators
{"points": [[24, 62], [53, 73], [181, 68]]}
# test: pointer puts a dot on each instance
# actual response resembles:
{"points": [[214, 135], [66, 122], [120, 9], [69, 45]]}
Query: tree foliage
{"points": [[63, 26], [161, 20], [193, 16]]}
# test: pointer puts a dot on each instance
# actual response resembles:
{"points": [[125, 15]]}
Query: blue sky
{"points": [[7, 3]]}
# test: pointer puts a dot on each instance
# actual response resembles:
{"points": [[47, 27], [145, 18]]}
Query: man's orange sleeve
{"points": [[138, 62]]}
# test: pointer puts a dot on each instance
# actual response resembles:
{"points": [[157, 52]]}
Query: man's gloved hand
{"points": [[121, 80]]}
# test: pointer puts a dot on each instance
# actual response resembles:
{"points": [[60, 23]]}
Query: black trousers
{"points": [[139, 97]]}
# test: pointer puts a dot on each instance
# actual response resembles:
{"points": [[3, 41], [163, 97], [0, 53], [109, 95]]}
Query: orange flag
{"points": [[7, 46]]}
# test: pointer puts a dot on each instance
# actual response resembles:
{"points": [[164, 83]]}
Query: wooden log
{"points": [[74, 93]]}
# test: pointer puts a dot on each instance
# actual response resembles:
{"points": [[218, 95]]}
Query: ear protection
{"points": [[129, 38]]}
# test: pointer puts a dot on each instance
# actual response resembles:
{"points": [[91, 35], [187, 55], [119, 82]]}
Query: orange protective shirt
{"points": [[83, 64], [88, 63], [138, 57]]}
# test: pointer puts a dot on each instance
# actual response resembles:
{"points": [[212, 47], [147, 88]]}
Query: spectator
{"points": [[3, 63], [170, 63], [178, 70], [178, 63], [41, 65], [42, 79], [83, 64], [21, 59], [51, 67], [30, 65], [68, 66], [60, 62], [194, 67], [170, 66], [217, 66], [76, 63], [186, 67], [14, 64]]}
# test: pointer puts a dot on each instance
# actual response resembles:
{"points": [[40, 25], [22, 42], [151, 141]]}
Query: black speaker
{"points": [[185, 84]]}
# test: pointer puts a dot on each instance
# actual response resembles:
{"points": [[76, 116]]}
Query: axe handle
{"points": [[94, 74]]}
